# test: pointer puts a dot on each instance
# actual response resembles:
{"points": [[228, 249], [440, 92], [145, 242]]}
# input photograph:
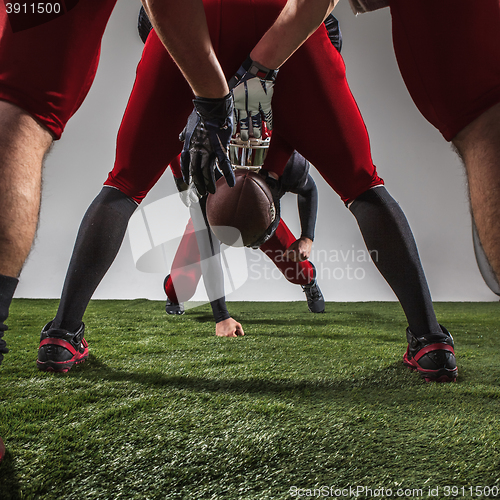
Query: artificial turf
{"points": [[303, 406]]}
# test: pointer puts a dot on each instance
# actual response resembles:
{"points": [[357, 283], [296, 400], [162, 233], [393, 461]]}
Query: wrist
{"points": [[210, 108], [259, 70], [252, 68], [181, 184]]}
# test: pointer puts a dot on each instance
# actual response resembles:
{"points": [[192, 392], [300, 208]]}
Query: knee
{"points": [[482, 132], [18, 127]]}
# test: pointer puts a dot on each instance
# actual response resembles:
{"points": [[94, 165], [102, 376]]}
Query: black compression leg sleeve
{"points": [[390, 242], [100, 236], [8, 286]]}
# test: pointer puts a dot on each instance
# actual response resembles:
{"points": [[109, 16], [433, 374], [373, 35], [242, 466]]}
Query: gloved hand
{"points": [[206, 139], [187, 192], [253, 86]]}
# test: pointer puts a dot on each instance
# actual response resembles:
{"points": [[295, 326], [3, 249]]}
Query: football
{"points": [[240, 215]]}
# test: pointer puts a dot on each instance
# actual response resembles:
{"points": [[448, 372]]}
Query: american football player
{"points": [[456, 87], [296, 179], [290, 255]]}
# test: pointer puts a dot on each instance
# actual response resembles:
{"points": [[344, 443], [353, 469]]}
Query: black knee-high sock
{"points": [[390, 241], [8, 286], [100, 236]]}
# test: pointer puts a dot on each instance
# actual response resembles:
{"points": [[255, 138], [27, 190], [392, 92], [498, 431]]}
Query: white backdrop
{"points": [[419, 168]]}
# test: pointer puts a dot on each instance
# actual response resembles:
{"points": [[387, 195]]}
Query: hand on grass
{"points": [[229, 328]]}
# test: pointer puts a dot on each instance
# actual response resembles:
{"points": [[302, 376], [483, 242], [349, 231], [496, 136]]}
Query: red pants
{"points": [[186, 269], [314, 111], [448, 52], [47, 70]]}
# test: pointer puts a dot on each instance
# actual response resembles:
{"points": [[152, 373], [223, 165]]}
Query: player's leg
{"points": [[101, 233], [180, 285], [456, 86], [390, 242], [479, 147], [338, 147], [298, 273], [23, 145], [147, 141], [45, 73]]}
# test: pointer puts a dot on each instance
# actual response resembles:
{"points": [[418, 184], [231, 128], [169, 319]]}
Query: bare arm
{"points": [[298, 20], [182, 27]]}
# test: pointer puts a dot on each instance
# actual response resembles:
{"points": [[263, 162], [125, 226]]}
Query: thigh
{"points": [[48, 69], [157, 111], [449, 56]]}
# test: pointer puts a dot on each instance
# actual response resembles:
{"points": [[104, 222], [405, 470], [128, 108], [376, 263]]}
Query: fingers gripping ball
{"points": [[244, 214], [206, 141]]}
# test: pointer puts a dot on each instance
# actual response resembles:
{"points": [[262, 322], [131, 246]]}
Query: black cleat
{"points": [[315, 299], [59, 349], [432, 356], [173, 308]]}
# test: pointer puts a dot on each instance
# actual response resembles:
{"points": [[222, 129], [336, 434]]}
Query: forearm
{"points": [[219, 310], [307, 199], [298, 20], [182, 27], [210, 261]]}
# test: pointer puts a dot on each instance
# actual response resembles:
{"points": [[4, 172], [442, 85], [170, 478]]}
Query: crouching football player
{"points": [[290, 255]]}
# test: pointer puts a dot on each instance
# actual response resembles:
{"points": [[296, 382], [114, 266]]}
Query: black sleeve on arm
{"points": [[144, 25], [334, 33], [307, 199], [211, 266]]}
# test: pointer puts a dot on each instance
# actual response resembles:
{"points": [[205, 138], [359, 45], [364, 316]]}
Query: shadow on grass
{"points": [[339, 322], [393, 376], [201, 317], [10, 489]]}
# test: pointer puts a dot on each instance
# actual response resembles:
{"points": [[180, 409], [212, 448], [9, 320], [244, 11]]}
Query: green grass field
{"points": [[164, 409]]}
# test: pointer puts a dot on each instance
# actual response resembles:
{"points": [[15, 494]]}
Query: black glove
{"points": [[206, 139]]}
